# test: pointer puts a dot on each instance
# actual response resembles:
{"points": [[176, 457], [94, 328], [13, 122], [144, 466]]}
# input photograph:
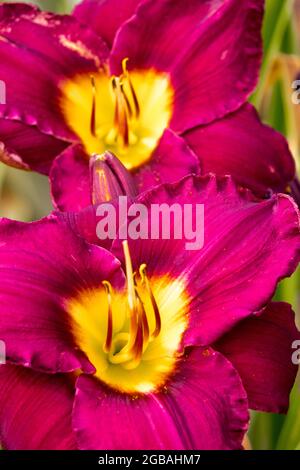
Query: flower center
{"points": [[132, 336], [127, 348], [127, 110], [124, 114]]}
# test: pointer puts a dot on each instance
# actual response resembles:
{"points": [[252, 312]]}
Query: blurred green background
{"points": [[25, 196]]}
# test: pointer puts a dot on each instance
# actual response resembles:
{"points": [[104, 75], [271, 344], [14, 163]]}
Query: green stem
{"points": [[282, 22]]}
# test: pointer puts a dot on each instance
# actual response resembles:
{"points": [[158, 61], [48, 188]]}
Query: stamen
{"points": [[93, 113], [126, 100], [132, 90], [136, 340], [136, 351], [131, 296], [126, 111], [135, 99], [129, 276], [143, 315], [146, 282], [108, 341], [124, 65], [120, 118], [114, 88]]}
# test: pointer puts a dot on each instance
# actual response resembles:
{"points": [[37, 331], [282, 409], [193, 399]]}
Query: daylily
{"points": [[144, 80], [150, 345]]}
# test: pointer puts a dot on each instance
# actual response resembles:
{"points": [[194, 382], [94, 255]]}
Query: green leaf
{"points": [[277, 19], [264, 430], [290, 434]]}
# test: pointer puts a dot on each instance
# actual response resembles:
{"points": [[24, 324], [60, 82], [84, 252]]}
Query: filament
{"points": [[146, 282], [93, 112], [109, 334]]}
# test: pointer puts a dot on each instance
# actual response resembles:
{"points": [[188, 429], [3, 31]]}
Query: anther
{"points": [[129, 109], [132, 90], [146, 282]]}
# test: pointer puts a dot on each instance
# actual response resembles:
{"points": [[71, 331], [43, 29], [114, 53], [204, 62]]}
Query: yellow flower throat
{"points": [[124, 114], [133, 336]]}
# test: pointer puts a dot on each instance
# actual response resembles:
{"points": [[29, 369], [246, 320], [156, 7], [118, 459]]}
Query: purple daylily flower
{"points": [[168, 358], [144, 80]]}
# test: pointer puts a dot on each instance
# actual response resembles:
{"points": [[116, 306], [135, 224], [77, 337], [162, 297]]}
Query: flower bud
{"points": [[110, 179]]}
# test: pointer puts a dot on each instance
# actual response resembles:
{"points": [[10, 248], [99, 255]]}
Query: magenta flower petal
{"points": [[260, 348], [105, 16], [70, 180], [84, 223], [203, 407], [248, 247], [37, 277], [213, 67], [35, 410], [23, 146], [44, 49], [256, 156], [172, 151]]}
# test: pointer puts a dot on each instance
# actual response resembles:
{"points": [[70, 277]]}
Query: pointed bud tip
{"points": [[109, 178]]}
